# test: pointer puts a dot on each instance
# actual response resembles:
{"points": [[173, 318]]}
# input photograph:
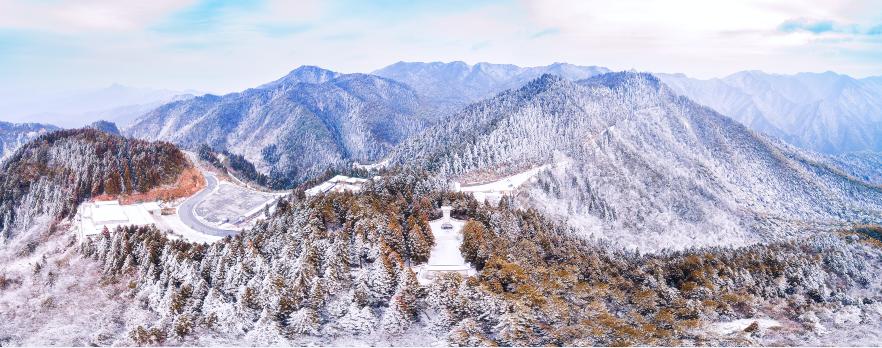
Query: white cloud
{"points": [[87, 15], [700, 38]]}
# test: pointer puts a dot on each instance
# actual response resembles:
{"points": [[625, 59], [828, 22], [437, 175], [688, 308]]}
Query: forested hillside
{"points": [[636, 163], [14, 135], [335, 270], [297, 127], [53, 173]]}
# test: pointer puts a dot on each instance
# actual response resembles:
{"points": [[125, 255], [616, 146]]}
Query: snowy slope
{"points": [[14, 135], [296, 127], [647, 168]]}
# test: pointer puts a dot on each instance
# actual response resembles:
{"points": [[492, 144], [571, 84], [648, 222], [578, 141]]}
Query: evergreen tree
{"points": [[304, 321], [381, 280], [397, 317]]}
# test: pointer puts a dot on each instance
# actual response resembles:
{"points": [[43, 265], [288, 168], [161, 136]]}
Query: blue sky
{"points": [[223, 46]]}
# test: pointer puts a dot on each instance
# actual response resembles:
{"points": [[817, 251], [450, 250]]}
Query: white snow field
{"points": [[493, 191], [445, 256], [231, 206], [736, 326], [339, 183], [93, 217]]}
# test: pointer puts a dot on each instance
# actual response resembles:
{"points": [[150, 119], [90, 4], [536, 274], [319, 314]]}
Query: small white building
{"points": [[93, 217]]}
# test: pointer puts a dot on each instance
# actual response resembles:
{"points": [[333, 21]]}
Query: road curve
{"points": [[186, 210]]}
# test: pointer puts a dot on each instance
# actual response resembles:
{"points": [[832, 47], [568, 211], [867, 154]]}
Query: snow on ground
{"points": [[735, 326], [506, 184], [375, 166], [495, 190], [65, 301], [445, 255], [339, 183], [231, 206], [180, 230], [447, 242], [92, 217]]}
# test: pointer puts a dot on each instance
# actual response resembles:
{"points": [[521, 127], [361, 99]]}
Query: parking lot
{"points": [[230, 204]]}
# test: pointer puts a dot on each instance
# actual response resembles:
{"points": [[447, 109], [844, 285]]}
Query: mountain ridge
{"points": [[641, 159], [292, 128], [826, 112]]}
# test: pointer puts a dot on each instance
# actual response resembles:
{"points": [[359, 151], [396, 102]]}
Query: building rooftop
{"points": [[107, 212]]}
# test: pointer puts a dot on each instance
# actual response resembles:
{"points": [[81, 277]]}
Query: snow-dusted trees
{"points": [[321, 267], [55, 172]]}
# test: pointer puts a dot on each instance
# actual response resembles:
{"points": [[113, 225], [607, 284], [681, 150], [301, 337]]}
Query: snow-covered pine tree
{"points": [[381, 280], [397, 317]]}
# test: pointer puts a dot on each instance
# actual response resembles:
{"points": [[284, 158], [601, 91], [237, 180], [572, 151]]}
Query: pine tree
{"points": [[408, 290], [304, 321], [357, 320], [475, 247], [397, 317], [418, 245], [362, 292], [468, 333], [317, 296], [381, 280]]}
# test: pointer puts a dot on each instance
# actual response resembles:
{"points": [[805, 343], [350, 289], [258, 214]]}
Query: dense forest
{"points": [[53, 173], [338, 268]]}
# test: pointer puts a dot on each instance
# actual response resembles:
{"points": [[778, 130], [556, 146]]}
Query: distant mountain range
{"points": [[824, 112], [641, 165], [117, 103], [296, 127], [450, 86]]}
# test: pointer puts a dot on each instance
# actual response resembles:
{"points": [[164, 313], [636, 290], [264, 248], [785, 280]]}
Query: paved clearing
{"points": [[185, 211], [231, 204]]}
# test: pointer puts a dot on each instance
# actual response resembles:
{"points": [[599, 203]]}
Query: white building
{"points": [[93, 217]]}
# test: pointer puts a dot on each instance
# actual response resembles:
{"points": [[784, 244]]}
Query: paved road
{"points": [[186, 209]]}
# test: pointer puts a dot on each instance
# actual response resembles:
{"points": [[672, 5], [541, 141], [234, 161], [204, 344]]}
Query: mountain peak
{"points": [[624, 79], [303, 74], [105, 126], [542, 83]]}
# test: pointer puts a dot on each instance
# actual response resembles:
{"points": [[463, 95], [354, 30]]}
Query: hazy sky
{"points": [[223, 46]]}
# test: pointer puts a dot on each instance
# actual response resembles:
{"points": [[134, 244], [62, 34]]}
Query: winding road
{"points": [[186, 210]]}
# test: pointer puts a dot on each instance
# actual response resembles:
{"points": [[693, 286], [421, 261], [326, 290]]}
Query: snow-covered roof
{"points": [[151, 206], [108, 212]]}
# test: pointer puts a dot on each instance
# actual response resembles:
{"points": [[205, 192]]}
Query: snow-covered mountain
{"points": [[296, 127], [449, 86], [641, 165], [14, 135], [825, 112]]}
